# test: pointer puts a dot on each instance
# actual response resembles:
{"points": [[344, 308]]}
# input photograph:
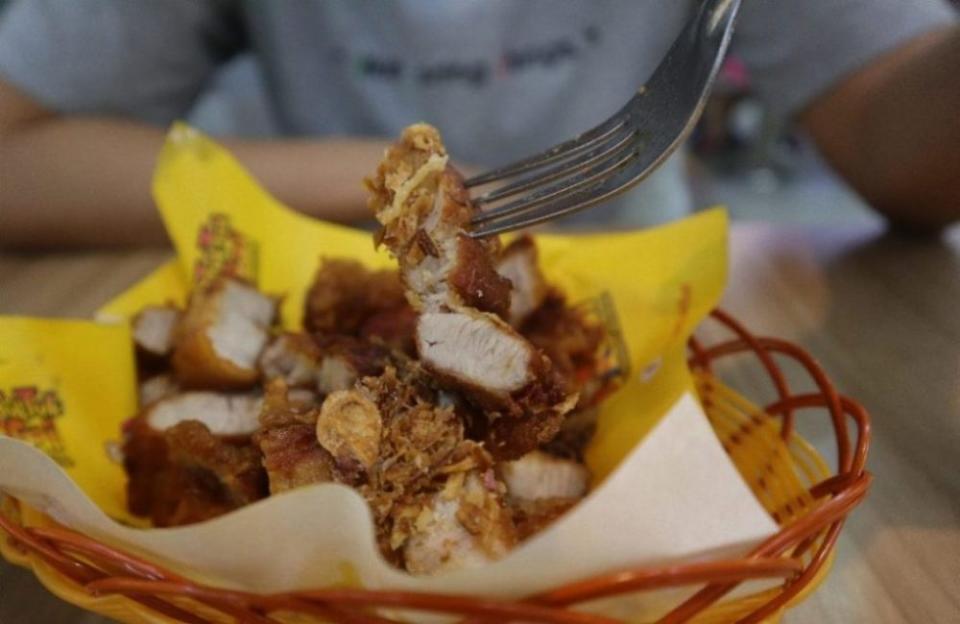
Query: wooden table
{"points": [[883, 316]]}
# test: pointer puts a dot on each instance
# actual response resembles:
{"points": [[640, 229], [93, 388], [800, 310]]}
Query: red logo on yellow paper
{"points": [[223, 252], [30, 414]]}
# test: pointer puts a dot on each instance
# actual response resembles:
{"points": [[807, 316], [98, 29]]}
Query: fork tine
{"points": [[563, 170], [548, 212], [561, 151], [557, 191]]}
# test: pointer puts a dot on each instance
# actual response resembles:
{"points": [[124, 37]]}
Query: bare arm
{"points": [[893, 131], [86, 181]]}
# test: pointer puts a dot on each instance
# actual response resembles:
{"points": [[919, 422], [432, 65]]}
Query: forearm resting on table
{"points": [[86, 181], [893, 131]]}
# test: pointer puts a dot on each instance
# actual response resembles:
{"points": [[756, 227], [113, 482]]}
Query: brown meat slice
{"points": [[345, 294], [496, 368], [223, 414], [221, 336], [187, 474], [393, 328], [519, 263], [425, 211], [153, 329], [568, 338]]}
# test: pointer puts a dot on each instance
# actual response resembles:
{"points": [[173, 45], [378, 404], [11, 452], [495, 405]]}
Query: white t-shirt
{"points": [[500, 78]]}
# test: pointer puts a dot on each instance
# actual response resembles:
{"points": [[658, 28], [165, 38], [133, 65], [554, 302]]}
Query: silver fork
{"points": [[624, 149]]}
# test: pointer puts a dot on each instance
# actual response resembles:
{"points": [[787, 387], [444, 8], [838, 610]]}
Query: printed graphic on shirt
{"points": [[476, 72]]}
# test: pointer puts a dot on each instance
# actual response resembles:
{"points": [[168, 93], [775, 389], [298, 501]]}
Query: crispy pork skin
{"points": [[345, 294]]}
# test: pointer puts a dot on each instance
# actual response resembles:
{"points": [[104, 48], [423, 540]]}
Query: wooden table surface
{"points": [[883, 316]]}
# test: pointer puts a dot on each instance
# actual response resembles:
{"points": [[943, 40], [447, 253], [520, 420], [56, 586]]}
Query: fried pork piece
{"points": [[223, 414], [153, 330], [564, 334], [287, 439], [394, 329], [465, 525], [538, 475], [424, 209], [541, 488], [500, 371], [519, 263], [292, 357], [452, 283], [187, 474], [155, 388], [326, 363], [345, 294], [572, 343], [221, 335], [346, 359]]}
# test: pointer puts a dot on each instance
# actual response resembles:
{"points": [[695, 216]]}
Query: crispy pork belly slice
{"points": [[153, 330], [393, 328], [345, 359], [344, 294], [187, 474], [477, 352], [538, 475], [218, 341], [425, 210], [292, 456], [155, 388], [519, 263], [349, 428], [144, 460], [210, 476], [484, 357], [292, 357], [465, 525], [222, 414]]}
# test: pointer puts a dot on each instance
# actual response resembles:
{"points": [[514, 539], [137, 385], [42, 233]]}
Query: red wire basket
{"points": [[809, 502]]}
